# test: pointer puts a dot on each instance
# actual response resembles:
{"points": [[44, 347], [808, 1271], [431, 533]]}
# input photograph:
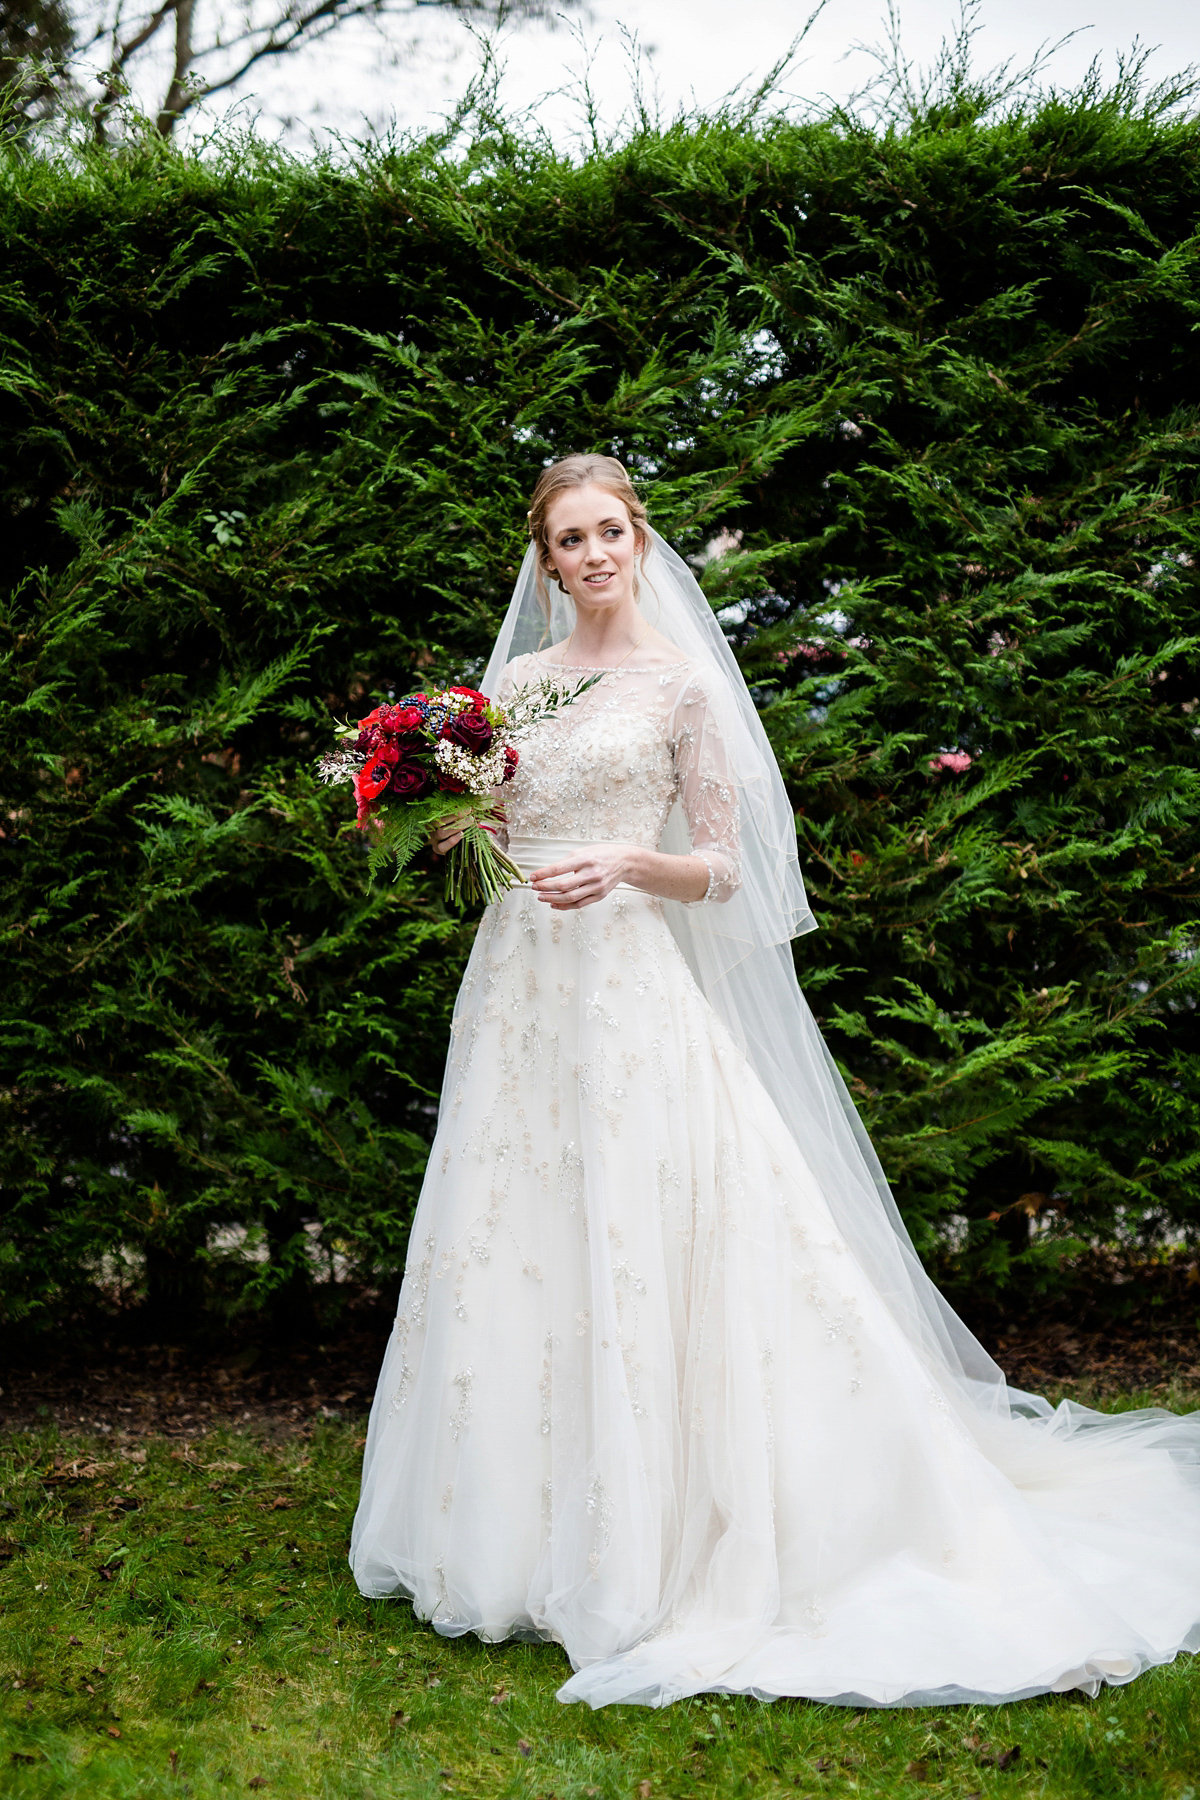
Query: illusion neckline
{"points": [[613, 668]]}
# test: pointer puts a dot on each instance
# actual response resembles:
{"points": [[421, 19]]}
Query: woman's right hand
{"points": [[442, 838]]}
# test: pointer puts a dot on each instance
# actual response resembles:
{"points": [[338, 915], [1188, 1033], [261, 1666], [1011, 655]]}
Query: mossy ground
{"points": [[186, 1625]]}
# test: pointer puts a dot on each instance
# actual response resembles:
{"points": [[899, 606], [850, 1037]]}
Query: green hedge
{"points": [[267, 434]]}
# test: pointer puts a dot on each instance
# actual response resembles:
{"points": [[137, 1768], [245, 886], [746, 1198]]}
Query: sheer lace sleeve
{"points": [[708, 794]]}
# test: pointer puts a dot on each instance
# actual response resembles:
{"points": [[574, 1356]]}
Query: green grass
{"points": [[187, 1628]]}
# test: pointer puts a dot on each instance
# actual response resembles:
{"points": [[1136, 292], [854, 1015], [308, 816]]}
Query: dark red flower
{"points": [[481, 700], [511, 759], [449, 785], [471, 730], [410, 781], [405, 718]]}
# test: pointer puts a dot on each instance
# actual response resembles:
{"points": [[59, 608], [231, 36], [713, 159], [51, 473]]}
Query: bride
{"points": [[668, 1385]]}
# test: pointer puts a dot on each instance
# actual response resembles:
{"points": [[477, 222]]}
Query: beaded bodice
{"points": [[609, 767]]}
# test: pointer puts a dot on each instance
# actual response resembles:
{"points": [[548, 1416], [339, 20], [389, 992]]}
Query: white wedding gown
{"points": [[641, 1400]]}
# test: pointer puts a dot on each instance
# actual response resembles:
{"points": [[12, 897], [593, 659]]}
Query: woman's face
{"points": [[593, 542]]}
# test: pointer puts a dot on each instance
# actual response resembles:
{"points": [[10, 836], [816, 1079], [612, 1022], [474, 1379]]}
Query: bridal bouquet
{"points": [[436, 759]]}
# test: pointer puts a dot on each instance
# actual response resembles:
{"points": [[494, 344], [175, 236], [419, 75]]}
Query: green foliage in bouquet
{"points": [[920, 399]]}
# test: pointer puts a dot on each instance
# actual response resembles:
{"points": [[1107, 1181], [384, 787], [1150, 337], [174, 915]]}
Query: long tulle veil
{"points": [[740, 954]]}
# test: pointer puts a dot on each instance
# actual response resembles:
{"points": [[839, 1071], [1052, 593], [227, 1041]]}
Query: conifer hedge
{"points": [[924, 405]]}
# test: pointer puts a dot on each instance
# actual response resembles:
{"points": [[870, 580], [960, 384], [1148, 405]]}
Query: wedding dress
{"points": [[645, 1399]]}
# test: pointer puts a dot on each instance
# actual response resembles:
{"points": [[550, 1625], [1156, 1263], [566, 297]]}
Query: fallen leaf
{"points": [[173, 1759], [972, 1743], [189, 1541], [84, 1471], [1007, 1758], [643, 1789], [257, 1781], [254, 1727], [918, 1770], [526, 1749], [134, 1456], [400, 1720], [78, 1642], [232, 1467], [823, 1765], [184, 1456], [392, 1650], [113, 1732], [500, 1695], [280, 1503]]}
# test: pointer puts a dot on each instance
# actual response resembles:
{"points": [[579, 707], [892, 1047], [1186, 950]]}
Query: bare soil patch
{"points": [[279, 1391]]}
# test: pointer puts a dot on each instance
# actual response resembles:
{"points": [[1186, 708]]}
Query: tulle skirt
{"points": [[641, 1401]]}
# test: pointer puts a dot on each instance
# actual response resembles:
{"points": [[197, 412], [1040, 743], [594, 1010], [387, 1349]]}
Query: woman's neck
{"points": [[607, 638]]}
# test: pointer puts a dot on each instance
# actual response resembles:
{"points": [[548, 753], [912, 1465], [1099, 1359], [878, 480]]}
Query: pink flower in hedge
{"points": [[956, 761]]}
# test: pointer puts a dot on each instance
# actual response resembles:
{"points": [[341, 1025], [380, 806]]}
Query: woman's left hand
{"points": [[588, 877]]}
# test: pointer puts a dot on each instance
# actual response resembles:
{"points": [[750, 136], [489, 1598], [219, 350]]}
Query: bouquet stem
{"points": [[477, 869]]}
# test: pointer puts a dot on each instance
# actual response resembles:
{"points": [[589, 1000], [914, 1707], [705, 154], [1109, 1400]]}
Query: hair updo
{"points": [[576, 472]]}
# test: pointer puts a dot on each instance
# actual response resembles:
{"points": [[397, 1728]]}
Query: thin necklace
{"points": [[608, 667]]}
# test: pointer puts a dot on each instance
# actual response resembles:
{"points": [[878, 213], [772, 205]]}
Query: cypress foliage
{"points": [[923, 405]]}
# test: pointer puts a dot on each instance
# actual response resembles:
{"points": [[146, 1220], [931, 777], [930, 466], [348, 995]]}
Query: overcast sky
{"points": [[695, 50]]}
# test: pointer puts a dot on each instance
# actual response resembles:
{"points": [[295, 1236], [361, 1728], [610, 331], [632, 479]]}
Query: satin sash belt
{"points": [[530, 853]]}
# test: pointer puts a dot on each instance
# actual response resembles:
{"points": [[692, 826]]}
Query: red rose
{"points": [[405, 718], [388, 752], [471, 730], [511, 759], [410, 781], [449, 785], [481, 700]]}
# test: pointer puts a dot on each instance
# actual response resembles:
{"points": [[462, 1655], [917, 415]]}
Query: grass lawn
{"points": [[182, 1622]]}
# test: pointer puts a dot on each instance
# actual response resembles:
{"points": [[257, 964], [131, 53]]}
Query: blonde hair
{"points": [[576, 472]]}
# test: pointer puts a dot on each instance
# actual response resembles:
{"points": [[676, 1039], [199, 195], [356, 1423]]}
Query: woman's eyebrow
{"points": [[565, 530]]}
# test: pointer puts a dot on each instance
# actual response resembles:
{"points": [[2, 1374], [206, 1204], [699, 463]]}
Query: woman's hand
{"points": [[442, 838], [590, 876], [599, 868]]}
